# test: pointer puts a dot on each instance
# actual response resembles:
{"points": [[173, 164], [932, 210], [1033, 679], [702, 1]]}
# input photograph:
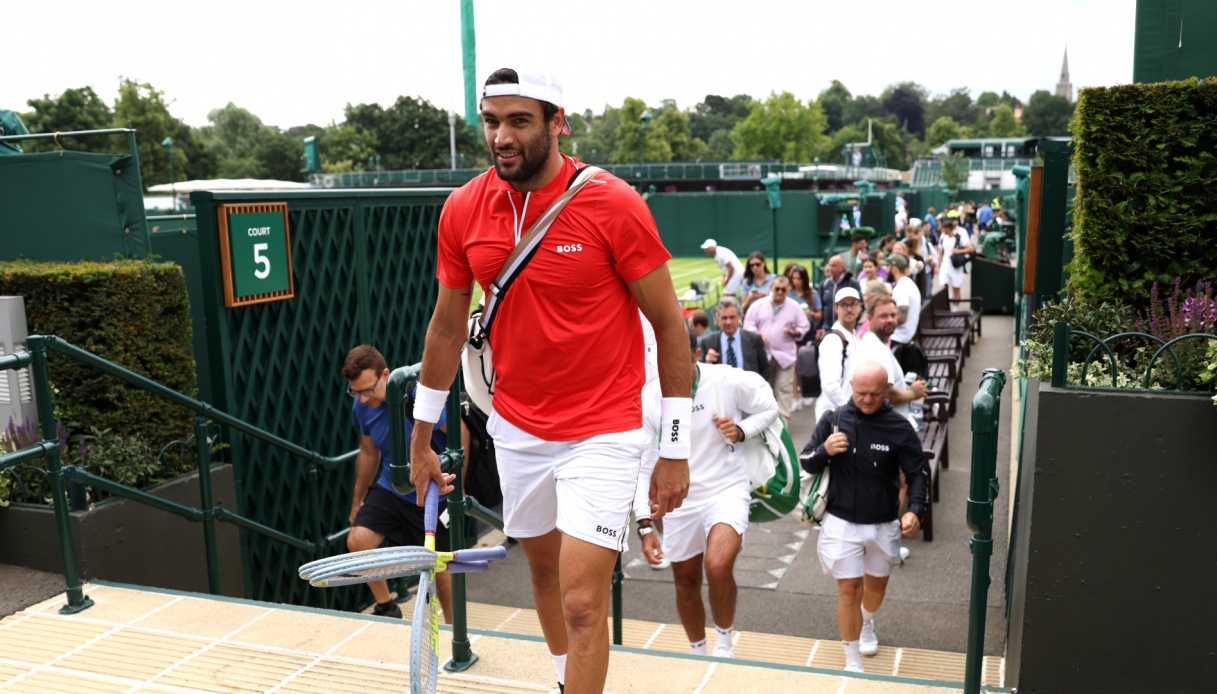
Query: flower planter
{"points": [[124, 541]]}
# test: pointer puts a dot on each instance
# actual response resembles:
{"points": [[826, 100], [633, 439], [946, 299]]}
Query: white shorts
{"points": [[951, 276], [848, 550], [733, 285], [583, 487], [685, 530]]}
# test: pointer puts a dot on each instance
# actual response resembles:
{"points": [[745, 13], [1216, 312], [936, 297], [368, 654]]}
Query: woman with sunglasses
{"points": [[757, 279]]}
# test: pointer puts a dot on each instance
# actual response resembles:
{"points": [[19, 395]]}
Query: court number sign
{"points": [[256, 254]]}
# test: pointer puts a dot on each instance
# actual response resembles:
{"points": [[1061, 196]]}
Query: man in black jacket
{"points": [[860, 536]]}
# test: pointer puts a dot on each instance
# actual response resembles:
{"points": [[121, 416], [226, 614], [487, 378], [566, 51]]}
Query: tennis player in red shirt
{"points": [[568, 354]]}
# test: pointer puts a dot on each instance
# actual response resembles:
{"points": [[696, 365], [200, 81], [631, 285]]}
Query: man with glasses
{"points": [[836, 350], [780, 323], [377, 511]]}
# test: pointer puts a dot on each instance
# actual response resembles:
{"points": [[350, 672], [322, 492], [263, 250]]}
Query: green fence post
{"points": [[202, 458], [463, 656], [77, 600], [1060, 353], [1053, 210], [986, 412], [314, 510]]}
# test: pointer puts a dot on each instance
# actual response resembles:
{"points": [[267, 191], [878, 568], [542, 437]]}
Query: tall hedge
{"points": [[1146, 205], [134, 313]]}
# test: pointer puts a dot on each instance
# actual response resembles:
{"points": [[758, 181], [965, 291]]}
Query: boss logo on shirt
{"points": [[570, 248], [879, 447]]}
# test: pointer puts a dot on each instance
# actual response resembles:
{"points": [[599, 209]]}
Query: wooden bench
{"points": [[934, 446], [956, 314], [944, 374]]}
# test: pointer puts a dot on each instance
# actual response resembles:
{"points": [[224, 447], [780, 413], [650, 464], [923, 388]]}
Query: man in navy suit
{"points": [[732, 345]]}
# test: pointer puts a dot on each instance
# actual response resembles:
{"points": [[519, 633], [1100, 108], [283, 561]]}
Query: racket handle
{"points": [[480, 554], [467, 567], [431, 509]]}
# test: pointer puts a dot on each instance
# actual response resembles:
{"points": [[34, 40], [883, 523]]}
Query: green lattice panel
{"points": [[364, 269]]}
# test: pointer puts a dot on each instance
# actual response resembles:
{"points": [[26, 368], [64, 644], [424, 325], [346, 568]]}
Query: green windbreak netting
{"points": [[1174, 40], [70, 206]]}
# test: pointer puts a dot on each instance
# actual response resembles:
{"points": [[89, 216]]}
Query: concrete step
{"points": [[149, 640]]}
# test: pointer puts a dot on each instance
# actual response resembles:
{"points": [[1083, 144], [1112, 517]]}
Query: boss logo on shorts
{"points": [[698, 408], [611, 532], [879, 447], [570, 248]]}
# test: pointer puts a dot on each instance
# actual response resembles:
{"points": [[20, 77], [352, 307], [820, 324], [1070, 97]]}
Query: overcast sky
{"points": [[293, 63]]}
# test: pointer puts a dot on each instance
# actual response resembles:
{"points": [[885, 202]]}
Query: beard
{"points": [[532, 158]]}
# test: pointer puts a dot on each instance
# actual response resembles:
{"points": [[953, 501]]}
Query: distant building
{"points": [[1064, 88]]}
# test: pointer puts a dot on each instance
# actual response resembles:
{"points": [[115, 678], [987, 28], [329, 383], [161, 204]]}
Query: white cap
{"points": [[535, 85], [709, 243], [846, 293]]}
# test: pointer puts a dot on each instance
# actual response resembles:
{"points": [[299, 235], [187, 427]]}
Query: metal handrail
{"points": [[986, 416], [49, 449]]}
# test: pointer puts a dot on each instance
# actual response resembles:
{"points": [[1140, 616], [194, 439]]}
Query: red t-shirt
{"points": [[568, 348]]}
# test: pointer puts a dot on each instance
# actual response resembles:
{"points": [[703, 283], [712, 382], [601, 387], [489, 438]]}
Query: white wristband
{"points": [[674, 428], [428, 403]]}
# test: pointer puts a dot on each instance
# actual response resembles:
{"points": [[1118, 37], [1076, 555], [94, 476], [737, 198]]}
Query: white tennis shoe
{"points": [[868, 643]]}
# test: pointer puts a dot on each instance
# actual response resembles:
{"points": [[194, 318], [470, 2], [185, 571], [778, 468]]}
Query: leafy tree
{"points": [[887, 139], [1004, 124], [673, 126], [343, 145], [143, 107], [279, 158], [599, 143], [957, 106], [234, 134], [862, 107], [942, 130], [655, 146], [955, 170], [782, 128], [716, 113], [413, 134], [303, 131], [834, 101], [987, 100], [721, 146], [196, 162], [1047, 114], [74, 109], [905, 104]]}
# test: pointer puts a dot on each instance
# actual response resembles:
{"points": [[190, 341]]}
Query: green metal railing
{"points": [[986, 417], [61, 476], [1062, 334]]}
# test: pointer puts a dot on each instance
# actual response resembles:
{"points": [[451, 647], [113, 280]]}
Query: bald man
{"points": [[868, 447]]}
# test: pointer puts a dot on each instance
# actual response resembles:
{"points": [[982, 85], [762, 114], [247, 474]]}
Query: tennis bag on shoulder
{"points": [[779, 495], [816, 503]]}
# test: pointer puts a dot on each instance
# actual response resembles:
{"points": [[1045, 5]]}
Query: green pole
{"points": [[1060, 353], [203, 461], [986, 414], [469, 62], [463, 656], [77, 600], [1053, 210], [314, 511]]}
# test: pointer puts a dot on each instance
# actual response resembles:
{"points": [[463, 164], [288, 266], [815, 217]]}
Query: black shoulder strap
{"points": [[844, 348]]}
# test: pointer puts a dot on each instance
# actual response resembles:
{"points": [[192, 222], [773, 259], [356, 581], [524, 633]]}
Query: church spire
{"points": [[1064, 88]]}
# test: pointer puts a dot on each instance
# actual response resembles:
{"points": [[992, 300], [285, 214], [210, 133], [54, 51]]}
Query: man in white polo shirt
{"points": [[728, 262], [873, 346], [908, 310]]}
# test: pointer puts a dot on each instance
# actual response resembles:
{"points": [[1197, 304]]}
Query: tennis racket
{"points": [[424, 629], [395, 562]]}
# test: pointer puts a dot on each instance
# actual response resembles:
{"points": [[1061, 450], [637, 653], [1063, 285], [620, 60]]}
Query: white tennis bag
{"points": [[476, 358]]}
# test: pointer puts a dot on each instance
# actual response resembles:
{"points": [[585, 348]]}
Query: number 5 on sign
{"points": [[255, 252]]}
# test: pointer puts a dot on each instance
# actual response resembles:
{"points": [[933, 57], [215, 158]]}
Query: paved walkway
{"points": [[146, 640]]}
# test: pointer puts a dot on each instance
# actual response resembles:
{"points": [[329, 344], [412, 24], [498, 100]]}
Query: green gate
{"points": [[363, 265]]}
